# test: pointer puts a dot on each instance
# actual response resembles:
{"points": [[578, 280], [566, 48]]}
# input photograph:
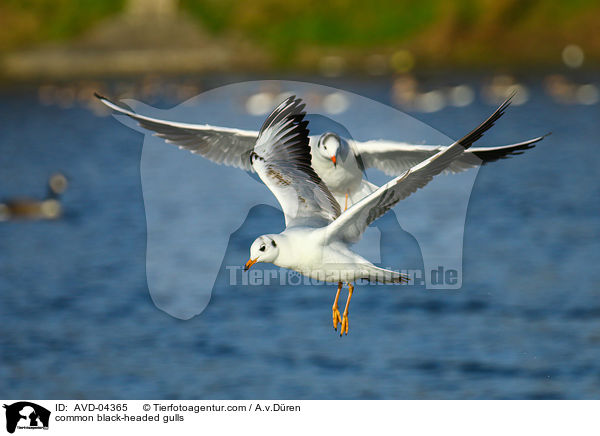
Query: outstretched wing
{"points": [[492, 154], [282, 159], [219, 144], [352, 223], [394, 158]]}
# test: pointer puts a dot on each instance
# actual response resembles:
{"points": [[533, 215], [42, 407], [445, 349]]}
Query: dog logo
{"points": [[26, 415]]}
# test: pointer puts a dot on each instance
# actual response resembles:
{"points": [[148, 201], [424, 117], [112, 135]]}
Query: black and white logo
{"points": [[26, 415]]}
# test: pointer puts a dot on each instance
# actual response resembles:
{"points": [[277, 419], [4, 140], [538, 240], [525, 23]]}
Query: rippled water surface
{"points": [[78, 320]]}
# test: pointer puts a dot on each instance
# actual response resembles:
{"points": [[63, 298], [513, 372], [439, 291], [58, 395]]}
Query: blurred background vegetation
{"points": [[298, 34], [461, 31], [27, 22]]}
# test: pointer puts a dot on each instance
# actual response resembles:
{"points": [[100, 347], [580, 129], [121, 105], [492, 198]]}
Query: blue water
{"points": [[78, 320]]}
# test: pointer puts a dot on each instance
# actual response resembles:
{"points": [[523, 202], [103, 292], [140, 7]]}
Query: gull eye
{"points": [[273, 244], [262, 248]]}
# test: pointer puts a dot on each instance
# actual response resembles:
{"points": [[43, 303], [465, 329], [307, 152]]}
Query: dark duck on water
{"points": [[26, 208]]}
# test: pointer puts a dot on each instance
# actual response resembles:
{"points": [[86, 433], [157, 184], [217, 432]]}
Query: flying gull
{"points": [[317, 237]]}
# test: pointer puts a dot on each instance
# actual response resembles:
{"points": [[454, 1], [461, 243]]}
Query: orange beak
{"points": [[334, 160], [249, 264]]}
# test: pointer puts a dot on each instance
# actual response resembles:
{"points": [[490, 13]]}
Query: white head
{"points": [[329, 147], [263, 249]]}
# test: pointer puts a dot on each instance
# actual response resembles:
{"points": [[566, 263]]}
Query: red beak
{"points": [[334, 160]]}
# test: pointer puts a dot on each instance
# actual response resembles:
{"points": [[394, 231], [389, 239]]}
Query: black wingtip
{"points": [[505, 104], [107, 101], [532, 142], [492, 155], [476, 134]]}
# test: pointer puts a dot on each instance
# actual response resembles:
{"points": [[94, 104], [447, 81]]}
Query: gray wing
{"points": [[394, 158], [282, 160], [222, 145], [352, 223]]}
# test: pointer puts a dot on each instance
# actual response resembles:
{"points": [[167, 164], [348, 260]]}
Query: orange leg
{"points": [[336, 312], [344, 328], [346, 205]]}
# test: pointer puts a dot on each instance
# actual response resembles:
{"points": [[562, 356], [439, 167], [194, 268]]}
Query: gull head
{"points": [[263, 249], [329, 146]]}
